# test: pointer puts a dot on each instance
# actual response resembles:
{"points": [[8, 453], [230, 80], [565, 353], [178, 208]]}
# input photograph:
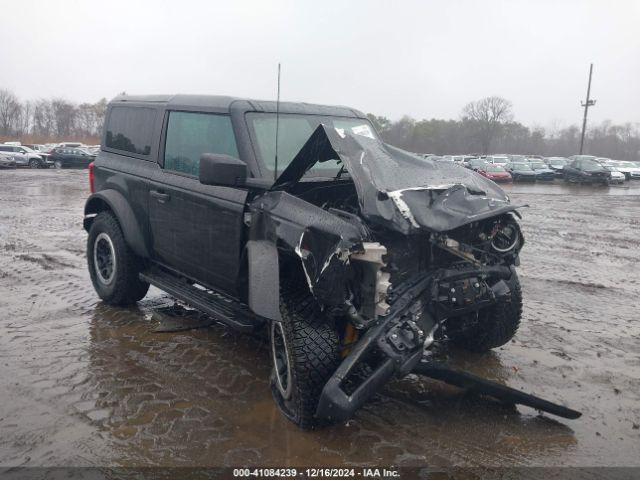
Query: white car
{"points": [[616, 175], [7, 160], [630, 169], [24, 156]]}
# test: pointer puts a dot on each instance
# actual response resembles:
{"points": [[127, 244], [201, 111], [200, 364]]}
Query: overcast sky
{"points": [[421, 58]]}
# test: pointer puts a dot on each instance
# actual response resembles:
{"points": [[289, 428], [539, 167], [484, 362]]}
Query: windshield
{"points": [[591, 165], [500, 160], [520, 166], [293, 132], [538, 165], [494, 169], [27, 149]]}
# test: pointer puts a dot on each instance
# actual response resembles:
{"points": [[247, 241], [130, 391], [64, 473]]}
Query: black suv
{"points": [[354, 255]]}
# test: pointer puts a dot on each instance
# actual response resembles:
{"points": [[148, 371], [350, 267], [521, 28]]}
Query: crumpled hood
{"points": [[398, 189]]}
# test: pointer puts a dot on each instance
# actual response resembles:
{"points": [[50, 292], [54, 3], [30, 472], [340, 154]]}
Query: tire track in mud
{"points": [[84, 383]]}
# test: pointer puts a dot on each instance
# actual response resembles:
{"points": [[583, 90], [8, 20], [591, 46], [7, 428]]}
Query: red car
{"points": [[495, 173]]}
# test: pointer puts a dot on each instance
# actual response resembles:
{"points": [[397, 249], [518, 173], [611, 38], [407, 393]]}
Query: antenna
{"points": [[275, 172]]}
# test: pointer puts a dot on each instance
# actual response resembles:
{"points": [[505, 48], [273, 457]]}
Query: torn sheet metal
{"points": [[323, 241], [398, 189]]}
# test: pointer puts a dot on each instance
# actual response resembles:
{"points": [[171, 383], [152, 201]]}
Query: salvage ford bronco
{"points": [[354, 255]]}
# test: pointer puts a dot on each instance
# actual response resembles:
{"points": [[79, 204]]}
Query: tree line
{"points": [[49, 120], [485, 126]]}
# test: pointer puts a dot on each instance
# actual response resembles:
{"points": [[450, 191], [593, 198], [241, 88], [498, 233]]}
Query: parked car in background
{"points": [[521, 172], [24, 156], [542, 171], [476, 163], [36, 147], [556, 164], [516, 158], [498, 159], [71, 144], [616, 175], [497, 173], [65, 157], [585, 169], [7, 160], [631, 170]]}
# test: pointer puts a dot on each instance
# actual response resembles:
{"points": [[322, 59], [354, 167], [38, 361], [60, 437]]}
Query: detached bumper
{"points": [[335, 403], [399, 338]]}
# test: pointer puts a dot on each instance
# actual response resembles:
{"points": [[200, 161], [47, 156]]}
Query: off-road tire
{"points": [[496, 325], [313, 348], [126, 287]]}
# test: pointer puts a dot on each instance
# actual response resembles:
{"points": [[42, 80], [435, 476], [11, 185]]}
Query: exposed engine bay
{"points": [[399, 260]]}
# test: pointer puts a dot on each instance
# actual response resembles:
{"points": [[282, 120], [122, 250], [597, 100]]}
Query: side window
{"points": [[130, 129], [189, 135]]}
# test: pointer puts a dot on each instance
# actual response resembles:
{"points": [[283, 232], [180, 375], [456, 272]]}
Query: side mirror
{"points": [[224, 170]]}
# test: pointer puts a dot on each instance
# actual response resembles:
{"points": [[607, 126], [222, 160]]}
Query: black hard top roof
{"points": [[220, 102]]}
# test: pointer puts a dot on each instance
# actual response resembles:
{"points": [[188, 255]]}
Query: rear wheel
{"points": [[57, 164], [494, 326], [305, 351], [113, 267]]}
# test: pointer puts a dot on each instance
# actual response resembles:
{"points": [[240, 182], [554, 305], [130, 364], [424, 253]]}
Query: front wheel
{"points": [[305, 351], [494, 326], [113, 267], [33, 163]]}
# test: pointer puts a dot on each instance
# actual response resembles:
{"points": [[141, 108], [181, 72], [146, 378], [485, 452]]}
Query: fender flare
{"points": [[118, 204], [264, 279]]}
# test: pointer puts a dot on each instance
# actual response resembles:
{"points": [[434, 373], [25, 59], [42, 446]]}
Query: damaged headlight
{"points": [[505, 237]]}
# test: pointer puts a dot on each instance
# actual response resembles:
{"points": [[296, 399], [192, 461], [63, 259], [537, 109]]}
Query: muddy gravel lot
{"points": [[86, 384]]}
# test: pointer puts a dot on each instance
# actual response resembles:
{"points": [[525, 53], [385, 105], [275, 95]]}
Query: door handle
{"points": [[161, 197]]}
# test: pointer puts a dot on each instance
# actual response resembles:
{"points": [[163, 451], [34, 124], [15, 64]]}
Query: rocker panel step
{"points": [[219, 306]]}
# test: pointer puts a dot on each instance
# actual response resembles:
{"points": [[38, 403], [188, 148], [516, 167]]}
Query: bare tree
{"points": [[488, 116], [9, 111], [24, 119], [43, 118], [65, 114]]}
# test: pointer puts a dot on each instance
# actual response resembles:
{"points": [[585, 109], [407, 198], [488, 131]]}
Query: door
{"points": [[196, 229], [21, 157], [80, 158], [569, 170]]}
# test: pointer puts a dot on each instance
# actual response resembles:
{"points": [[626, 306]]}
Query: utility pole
{"points": [[586, 105]]}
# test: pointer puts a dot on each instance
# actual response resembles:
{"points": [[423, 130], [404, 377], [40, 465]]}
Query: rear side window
{"points": [[130, 129], [189, 135]]}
